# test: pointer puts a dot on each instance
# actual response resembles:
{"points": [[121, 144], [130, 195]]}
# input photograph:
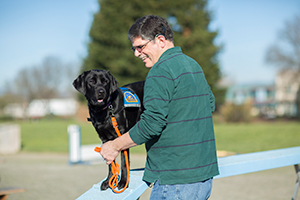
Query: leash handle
{"points": [[97, 149]]}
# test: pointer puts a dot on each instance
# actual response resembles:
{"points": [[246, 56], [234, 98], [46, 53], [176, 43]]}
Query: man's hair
{"points": [[148, 27]]}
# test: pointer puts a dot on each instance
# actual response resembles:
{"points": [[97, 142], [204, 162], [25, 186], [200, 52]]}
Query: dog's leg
{"points": [[105, 184], [124, 174]]}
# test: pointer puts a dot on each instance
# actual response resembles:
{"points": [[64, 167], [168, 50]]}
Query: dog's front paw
{"points": [[122, 184], [104, 185]]}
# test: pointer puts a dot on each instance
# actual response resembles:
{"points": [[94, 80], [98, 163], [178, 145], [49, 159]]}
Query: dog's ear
{"points": [[79, 83], [113, 82]]}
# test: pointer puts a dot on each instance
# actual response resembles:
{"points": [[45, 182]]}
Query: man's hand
{"points": [[109, 151]]}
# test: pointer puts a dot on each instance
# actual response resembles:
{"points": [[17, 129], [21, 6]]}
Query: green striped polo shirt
{"points": [[177, 126]]}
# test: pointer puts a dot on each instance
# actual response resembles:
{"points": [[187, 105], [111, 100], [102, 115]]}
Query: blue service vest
{"points": [[130, 98]]}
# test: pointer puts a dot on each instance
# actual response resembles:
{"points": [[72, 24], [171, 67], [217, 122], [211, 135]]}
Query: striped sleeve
{"points": [[158, 92], [211, 100]]}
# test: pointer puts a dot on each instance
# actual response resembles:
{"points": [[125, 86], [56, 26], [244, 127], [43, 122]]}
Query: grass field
{"points": [[245, 138], [51, 136]]}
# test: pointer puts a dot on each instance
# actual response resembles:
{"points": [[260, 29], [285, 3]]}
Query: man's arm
{"points": [[212, 101], [111, 149]]}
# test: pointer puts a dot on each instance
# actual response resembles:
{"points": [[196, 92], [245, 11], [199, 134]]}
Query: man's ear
{"points": [[79, 83], [162, 40], [113, 82]]}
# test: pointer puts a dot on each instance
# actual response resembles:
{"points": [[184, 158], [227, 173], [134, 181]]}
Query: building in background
{"points": [[42, 107], [262, 97], [287, 93], [275, 100]]}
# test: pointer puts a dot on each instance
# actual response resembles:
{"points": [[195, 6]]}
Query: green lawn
{"points": [[51, 136], [245, 138]]}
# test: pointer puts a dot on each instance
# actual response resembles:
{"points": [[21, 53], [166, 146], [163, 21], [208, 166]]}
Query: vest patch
{"points": [[130, 98]]}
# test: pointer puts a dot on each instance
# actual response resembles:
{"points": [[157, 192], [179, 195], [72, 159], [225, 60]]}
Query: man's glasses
{"points": [[140, 47]]}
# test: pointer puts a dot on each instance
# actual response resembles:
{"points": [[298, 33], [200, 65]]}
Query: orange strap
{"points": [[115, 167]]}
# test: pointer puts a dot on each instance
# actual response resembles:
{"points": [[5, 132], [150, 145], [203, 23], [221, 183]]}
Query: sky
{"points": [[32, 30]]}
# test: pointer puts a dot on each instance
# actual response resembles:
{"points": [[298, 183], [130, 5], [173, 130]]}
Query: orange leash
{"points": [[115, 167]]}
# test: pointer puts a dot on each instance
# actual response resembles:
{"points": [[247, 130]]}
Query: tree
{"points": [[285, 53], [109, 47], [44, 81], [50, 79]]}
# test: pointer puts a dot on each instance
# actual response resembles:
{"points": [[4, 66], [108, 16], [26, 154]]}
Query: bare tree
{"points": [[44, 81], [285, 53], [8, 96], [39, 81], [70, 71]]}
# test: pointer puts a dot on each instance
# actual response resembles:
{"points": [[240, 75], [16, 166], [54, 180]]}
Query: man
{"points": [[176, 126]]}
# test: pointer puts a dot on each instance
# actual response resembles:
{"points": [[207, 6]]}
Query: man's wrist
{"points": [[123, 142], [118, 144]]}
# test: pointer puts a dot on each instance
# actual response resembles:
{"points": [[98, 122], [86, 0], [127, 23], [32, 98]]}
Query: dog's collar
{"points": [[109, 103]]}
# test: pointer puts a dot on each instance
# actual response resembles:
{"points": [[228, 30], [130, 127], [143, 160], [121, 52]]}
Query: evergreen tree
{"points": [[109, 48]]}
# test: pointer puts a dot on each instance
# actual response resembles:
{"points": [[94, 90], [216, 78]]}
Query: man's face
{"points": [[149, 51]]}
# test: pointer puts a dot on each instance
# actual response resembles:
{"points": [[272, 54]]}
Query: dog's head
{"points": [[97, 86]]}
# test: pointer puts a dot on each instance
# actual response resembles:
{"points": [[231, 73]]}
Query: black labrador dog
{"points": [[104, 98]]}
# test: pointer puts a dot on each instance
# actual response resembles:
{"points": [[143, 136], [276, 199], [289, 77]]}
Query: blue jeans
{"points": [[192, 191]]}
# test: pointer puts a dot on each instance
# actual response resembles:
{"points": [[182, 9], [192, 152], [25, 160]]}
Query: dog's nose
{"points": [[101, 92]]}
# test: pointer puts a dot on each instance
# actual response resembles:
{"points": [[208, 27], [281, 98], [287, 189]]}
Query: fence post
{"points": [[10, 139], [74, 133], [297, 168]]}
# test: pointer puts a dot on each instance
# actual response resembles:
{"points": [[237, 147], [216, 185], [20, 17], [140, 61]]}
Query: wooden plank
{"points": [[136, 187], [259, 161], [228, 166], [10, 190]]}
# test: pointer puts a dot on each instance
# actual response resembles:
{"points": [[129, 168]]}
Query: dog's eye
{"points": [[92, 81], [104, 81]]}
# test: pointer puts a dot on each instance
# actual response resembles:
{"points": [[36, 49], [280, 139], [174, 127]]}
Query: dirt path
{"points": [[49, 176]]}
